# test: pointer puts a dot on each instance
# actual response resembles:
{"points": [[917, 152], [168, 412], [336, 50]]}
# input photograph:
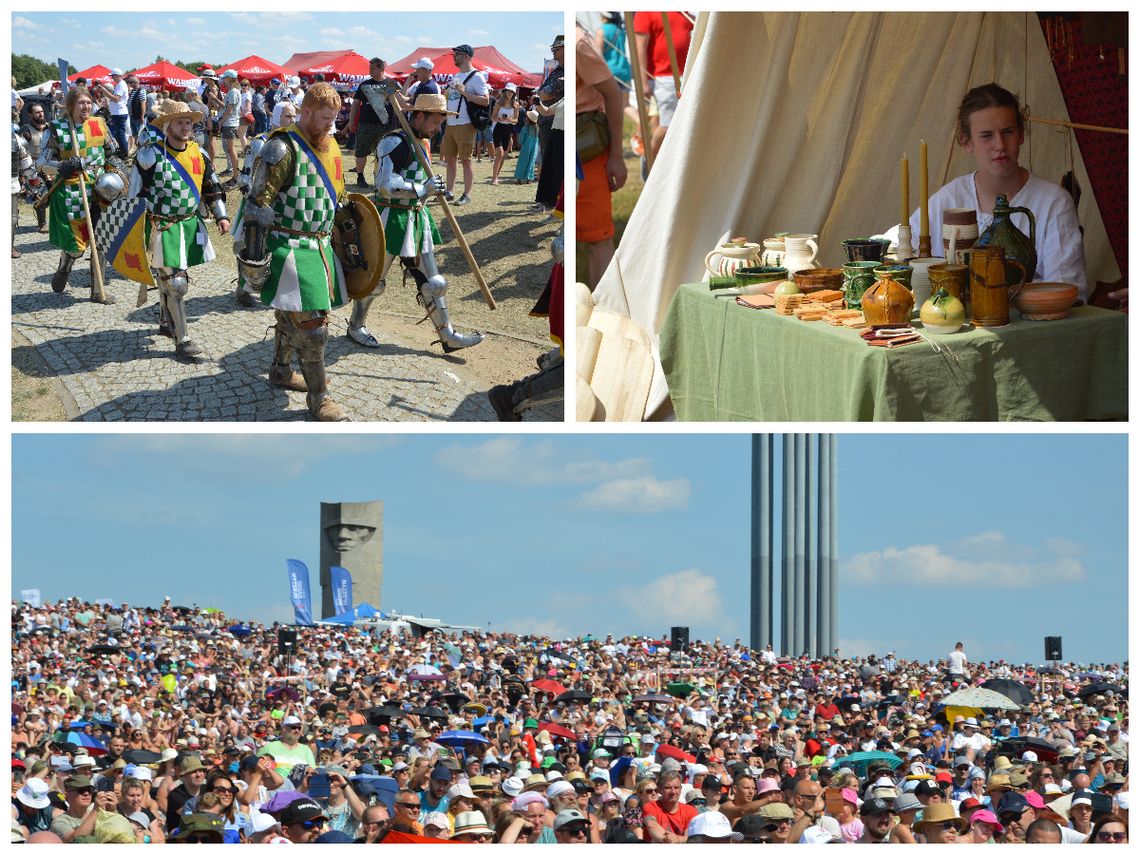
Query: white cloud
{"points": [[986, 559], [478, 33], [645, 495], [270, 19], [21, 23], [425, 40], [849, 647], [273, 456], [688, 596], [515, 461], [549, 627]]}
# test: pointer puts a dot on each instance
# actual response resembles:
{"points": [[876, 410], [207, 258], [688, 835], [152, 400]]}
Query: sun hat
{"points": [[907, 801], [423, 62], [471, 822], [559, 788], [987, 816], [570, 817], [938, 813], [439, 820], [712, 824], [512, 786], [34, 794], [432, 103]]}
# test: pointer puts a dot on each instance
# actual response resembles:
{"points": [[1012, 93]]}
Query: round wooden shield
{"points": [[362, 281]]}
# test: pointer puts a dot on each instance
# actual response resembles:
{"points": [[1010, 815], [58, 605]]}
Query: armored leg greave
{"points": [[309, 338], [59, 278], [432, 290], [357, 331], [172, 290], [282, 373]]}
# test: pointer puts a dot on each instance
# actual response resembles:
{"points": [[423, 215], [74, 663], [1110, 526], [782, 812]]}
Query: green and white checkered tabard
{"points": [[95, 157], [408, 234], [305, 206], [170, 195]]}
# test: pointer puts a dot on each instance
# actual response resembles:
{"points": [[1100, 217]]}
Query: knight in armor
{"points": [[89, 151], [403, 189], [177, 180], [286, 248], [34, 187], [23, 168], [244, 296]]}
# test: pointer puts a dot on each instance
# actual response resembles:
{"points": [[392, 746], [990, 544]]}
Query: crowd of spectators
{"points": [[181, 724]]}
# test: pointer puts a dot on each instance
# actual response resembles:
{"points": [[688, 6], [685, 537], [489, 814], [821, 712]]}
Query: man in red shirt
{"points": [[656, 67], [826, 708], [666, 819]]}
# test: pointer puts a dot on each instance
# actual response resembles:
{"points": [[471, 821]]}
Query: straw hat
{"points": [[431, 103], [938, 813], [168, 111]]}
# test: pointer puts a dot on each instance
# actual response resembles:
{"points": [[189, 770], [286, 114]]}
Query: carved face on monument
{"points": [[346, 538]]}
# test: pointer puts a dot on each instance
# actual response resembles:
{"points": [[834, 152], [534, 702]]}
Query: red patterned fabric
{"points": [[1096, 94]]}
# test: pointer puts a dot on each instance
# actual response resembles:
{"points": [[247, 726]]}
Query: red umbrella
{"points": [[552, 686], [500, 70], [167, 75], [255, 69], [556, 730], [99, 73], [676, 753]]}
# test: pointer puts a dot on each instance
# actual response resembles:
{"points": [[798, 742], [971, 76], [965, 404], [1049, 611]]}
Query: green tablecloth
{"points": [[726, 362]]}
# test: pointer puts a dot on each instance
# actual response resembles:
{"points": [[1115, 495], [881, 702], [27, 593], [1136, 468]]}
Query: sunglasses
{"points": [[1114, 836], [944, 826], [409, 805], [772, 826], [310, 824], [576, 831], [199, 838]]}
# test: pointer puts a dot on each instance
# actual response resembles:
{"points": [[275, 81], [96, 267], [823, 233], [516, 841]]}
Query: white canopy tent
{"points": [[796, 122]]}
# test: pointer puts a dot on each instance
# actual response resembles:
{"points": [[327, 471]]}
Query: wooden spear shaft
{"points": [[639, 91], [672, 48], [96, 268], [426, 164]]}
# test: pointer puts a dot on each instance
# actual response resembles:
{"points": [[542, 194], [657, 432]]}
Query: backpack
{"points": [[480, 114]]}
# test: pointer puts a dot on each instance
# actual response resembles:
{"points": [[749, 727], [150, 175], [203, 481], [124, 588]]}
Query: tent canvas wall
{"points": [[796, 122]]}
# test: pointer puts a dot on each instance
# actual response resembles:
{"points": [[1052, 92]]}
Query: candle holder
{"points": [[924, 246], [905, 248]]}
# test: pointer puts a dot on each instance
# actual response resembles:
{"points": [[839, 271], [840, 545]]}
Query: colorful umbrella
{"points": [[976, 696], [860, 760], [462, 738], [556, 730], [92, 745], [551, 686], [676, 753], [425, 674], [680, 690]]}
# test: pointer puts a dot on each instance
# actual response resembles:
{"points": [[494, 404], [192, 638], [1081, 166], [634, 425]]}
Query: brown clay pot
{"points": [[887, 302]]}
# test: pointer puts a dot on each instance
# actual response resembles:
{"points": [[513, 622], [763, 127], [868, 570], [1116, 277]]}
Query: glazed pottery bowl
{"points": [[1045, 301], [763, 276], [819, 278]]}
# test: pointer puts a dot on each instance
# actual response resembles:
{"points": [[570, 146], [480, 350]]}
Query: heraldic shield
{"points": [[358, 241]]}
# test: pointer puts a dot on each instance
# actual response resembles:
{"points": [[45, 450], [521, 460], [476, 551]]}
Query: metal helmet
{"points": [[110, 186]]}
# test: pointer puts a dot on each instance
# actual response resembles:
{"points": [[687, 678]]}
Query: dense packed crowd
{"points": [[177, 724]]}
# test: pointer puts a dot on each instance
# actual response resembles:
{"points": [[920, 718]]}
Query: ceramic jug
{"points": [[1002, 232], [887, 301], [773, 255], [800, 252], [990, 291], [858, 276], [726, 258], [920, 278]]}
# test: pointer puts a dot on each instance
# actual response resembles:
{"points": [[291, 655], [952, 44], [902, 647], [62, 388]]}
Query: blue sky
{"points": [[993, 540], [133, 39]]}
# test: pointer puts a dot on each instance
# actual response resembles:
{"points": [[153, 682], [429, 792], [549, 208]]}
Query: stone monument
{"points": [[352, 537]]}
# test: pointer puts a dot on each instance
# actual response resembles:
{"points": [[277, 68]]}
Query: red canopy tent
{"points": [[339, 66], [98, 73], [499, 69], [255, 69], [167, 75]]}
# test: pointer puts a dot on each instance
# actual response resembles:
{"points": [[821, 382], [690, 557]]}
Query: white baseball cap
{"points": [[423, 62], [712, 824]]}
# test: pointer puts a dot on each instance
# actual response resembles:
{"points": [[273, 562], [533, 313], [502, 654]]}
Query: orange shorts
{"points": [[594, 205]]}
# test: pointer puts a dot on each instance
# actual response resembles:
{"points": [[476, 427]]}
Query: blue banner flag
{"points": [[62, 64], [299, 592], [341, 590]]}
